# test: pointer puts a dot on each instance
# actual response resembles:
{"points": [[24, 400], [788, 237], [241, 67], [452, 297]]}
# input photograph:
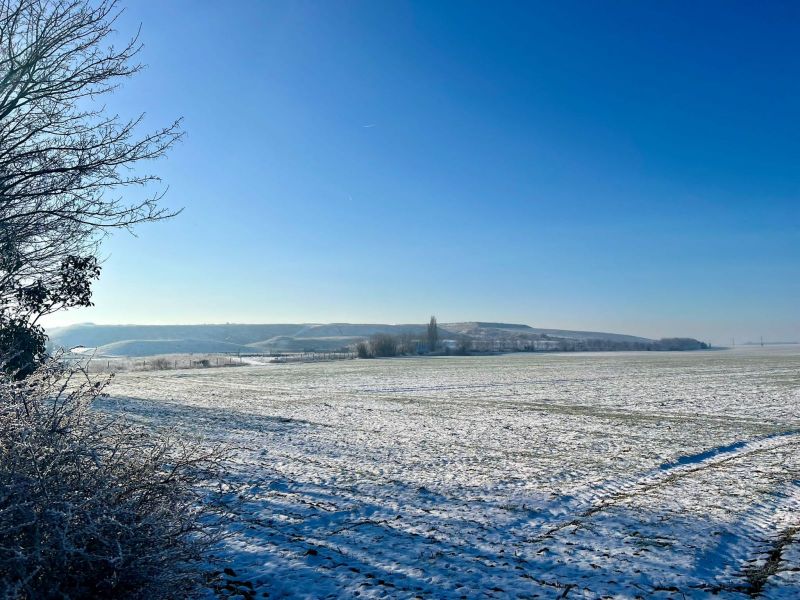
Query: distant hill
{"points": [[148, 340], [154, 347], [304, 344], [477, 328], [330, 330], [93, 336]]}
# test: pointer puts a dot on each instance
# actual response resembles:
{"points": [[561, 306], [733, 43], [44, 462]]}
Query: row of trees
{"points": [[550, 344], [386, 345]]}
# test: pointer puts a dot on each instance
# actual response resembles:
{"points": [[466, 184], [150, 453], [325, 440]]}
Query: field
{"points": [[666, 475]]}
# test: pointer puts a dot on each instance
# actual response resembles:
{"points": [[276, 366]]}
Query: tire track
{"points": [[616, 491]]}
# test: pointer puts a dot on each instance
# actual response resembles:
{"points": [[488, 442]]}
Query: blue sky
{"points": [[624, 166]]}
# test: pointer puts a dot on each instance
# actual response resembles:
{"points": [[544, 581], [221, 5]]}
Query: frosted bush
{"points": [[92, 506]]}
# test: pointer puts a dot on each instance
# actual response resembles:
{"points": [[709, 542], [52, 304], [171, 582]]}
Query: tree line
{"points": [[381, 345], [550, 344]]}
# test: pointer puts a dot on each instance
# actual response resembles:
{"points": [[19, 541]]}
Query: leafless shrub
{"points": [[383, 344], [362, 350], [92, 506], [160, 364]]}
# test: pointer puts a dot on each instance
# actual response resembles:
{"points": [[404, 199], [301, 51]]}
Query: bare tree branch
{"points": [[68, 168]]}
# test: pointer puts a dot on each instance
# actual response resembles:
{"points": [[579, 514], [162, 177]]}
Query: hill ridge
{"points": [[146, 340]]}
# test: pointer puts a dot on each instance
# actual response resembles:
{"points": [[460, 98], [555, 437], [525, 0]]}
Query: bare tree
{"points": [[65, 161], [90, 506], [362, 350], [433, 335], [407, 343], [383, 344]]}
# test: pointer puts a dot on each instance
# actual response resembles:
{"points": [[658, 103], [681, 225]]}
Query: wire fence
{"points": [[114, 364]]}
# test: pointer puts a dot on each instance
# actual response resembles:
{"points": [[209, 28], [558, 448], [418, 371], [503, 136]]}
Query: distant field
{"points": [[662, 475], [167, 362], [118, 364]]}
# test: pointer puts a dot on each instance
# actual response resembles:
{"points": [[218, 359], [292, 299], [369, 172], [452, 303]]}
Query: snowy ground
{"points": [[653, 475]]}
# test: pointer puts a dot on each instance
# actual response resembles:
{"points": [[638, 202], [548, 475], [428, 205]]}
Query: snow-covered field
{"points": [[522, 476]]}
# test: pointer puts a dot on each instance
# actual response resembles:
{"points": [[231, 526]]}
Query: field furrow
{"points": [[630, 474]]}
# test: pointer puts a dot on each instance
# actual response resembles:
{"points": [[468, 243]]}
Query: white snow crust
{"points": [[624, 475]]}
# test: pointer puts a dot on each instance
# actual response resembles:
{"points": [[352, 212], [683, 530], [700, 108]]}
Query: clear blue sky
{"points": [[625, 166]]}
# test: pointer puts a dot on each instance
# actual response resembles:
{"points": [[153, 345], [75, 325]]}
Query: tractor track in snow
{"points": [[614, 492]]}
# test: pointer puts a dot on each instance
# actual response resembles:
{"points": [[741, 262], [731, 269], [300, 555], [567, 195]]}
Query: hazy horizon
{"points": [[625, 168], [741, 340]]}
